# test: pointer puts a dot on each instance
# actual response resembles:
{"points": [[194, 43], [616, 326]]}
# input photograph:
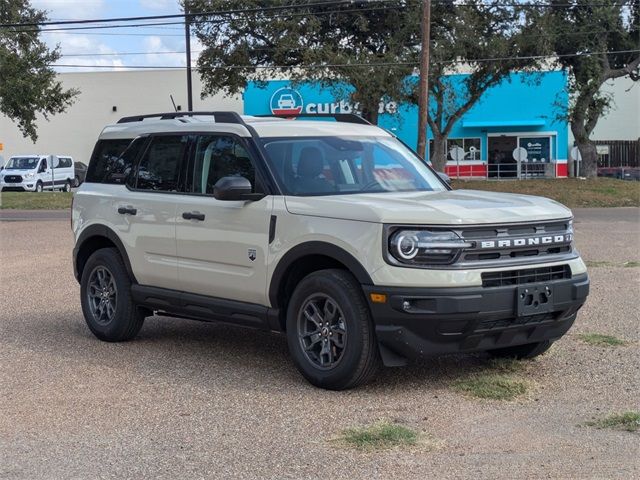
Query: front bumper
{"points": [[420, 322], [24, 186]]}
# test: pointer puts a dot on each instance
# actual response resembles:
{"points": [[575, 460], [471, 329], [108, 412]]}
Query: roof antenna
{"points": [[175, 109]]}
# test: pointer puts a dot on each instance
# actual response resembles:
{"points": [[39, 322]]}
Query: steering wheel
{"points": [[370, 186]]}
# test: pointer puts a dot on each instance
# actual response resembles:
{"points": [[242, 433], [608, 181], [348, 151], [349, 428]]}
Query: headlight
{"points": [[28, 175], [425, 247]]}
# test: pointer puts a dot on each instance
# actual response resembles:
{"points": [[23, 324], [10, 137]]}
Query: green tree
{"points": [[463, 37], [595, 30], [28, 84], [363, 50]]}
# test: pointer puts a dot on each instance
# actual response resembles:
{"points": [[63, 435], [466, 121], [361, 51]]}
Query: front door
{"points": [[222, 245], [501, 161]]}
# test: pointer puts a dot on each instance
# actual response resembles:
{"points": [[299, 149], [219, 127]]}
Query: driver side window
{"points": [[217, 156]]}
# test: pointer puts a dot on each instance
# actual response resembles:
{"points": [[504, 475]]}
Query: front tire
{"points": [[105, 292], [76, 181], [330, 333], [39, 187], [521, 352]]}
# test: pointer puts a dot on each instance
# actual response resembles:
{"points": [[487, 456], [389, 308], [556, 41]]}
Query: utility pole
{"points": [[187, 39], [423, 102]]}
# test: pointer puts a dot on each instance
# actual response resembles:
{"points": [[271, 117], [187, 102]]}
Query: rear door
{"points": [[222, 245]]}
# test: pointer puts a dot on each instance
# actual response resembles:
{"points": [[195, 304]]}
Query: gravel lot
{"points": [[195, 400]]}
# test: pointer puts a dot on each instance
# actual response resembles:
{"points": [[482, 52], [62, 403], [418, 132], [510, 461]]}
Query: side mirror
{"points": [[445, 178], [234, 188]]}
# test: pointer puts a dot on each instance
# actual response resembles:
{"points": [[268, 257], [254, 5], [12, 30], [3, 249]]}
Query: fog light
{"points": [[406, 305]]}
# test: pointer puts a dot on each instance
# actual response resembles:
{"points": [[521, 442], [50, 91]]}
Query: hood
{"points": [[455, 207]]}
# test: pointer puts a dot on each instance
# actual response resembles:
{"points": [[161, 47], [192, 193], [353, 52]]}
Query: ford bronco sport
{"points": [[332, 232]]}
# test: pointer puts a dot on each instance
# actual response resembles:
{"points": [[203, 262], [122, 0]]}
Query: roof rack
{"points": [[220, 117], [338, 117]]}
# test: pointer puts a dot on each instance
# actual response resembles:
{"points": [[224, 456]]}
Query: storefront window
{"points": [[461, 149]]}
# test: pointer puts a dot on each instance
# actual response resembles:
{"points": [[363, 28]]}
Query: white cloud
{"points": [[155, 46], [70, 9], [158, 4], [75, 47]]}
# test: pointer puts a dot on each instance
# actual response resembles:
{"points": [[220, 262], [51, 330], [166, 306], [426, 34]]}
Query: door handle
{"points": [[193, 216], [127, 211]]}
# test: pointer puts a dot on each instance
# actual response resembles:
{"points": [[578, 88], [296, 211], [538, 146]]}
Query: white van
{"points": [[35, 173]]}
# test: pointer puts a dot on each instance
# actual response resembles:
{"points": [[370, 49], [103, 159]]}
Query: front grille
{"points": [[485, 325], [525, 276], [503, 243], [12, 179]]}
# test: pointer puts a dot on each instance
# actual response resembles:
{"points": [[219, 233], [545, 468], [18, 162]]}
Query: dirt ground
{"points": [[195, 400]]}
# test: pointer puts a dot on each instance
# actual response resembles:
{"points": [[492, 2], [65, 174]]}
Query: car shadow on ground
{"points": [[181, 350]]}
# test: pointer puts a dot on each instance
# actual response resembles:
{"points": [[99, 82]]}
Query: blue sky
{"points": [[80, 47]]}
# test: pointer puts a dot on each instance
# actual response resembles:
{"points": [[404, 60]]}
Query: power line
{"points": [[161, 24], [281, 7], [343, 65]]}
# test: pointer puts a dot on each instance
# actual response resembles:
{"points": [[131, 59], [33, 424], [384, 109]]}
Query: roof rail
{"points": [[220, 117], [338, 117]]}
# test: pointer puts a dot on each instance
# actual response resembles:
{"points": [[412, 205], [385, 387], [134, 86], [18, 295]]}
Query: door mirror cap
{"points": [[445, 178], [234, 188]]}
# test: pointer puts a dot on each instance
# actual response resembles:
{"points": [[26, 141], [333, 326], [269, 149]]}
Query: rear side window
{"points": [[107, 164], [64, 162], [215, 157], [159, 168]]}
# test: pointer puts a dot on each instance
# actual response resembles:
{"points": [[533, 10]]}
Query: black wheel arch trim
{"points": [[94, 231], [314, 248]]}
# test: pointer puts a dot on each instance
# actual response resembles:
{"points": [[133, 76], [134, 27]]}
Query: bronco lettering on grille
{"points": [[526, 242]]}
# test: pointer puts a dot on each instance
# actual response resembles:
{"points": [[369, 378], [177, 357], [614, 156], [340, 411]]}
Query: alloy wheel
{"points": [[102, 294], [322, 331]]}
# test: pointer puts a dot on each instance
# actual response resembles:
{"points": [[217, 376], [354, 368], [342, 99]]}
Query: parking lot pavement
{"points": [[196, 400]]}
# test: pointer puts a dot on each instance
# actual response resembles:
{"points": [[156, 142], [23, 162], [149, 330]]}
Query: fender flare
{"points": [[96, 230], [315, 248]]}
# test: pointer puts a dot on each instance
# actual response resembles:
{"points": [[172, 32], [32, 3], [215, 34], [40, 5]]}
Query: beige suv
{"points": [[330, 231]]}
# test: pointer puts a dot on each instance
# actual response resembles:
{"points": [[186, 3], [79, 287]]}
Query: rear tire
{"points": [[105, 293], [330, 333], [67, 186], [521, 352]]}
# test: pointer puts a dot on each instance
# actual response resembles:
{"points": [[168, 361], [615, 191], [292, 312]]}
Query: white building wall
{"points": [[623, 120], [132, 92]]}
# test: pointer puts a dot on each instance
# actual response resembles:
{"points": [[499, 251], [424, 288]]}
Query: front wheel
{"points": [[39, 186], [330, 332], [105, 290], [520, 352]]}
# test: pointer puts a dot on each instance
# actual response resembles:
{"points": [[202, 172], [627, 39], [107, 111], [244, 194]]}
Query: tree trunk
{"points": [[370, 112], [439, 152], [589, 164]]}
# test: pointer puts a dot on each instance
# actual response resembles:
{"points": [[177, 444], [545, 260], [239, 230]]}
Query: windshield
{"points": [[22, 163], [347, 165]]}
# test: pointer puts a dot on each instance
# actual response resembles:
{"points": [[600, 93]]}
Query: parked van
{"points": [[35, 173]]}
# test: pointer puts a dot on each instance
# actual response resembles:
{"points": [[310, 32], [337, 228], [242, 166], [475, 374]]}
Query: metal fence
{"points": [[618, 153]]}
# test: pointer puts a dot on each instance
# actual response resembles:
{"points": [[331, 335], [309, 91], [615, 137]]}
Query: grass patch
{"points": [[35, 201], [572, 192], [380, 435], [492, 386], [629, 421], [631, 264], [591, 264], [506, 365], [600, 340]]}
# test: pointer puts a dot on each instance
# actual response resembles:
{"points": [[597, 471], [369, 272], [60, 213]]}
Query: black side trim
{"points": [[92, 232], [315, 248], [202, 307], [272, 228]]}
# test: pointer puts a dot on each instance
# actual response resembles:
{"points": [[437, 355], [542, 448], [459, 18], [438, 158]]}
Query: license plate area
{"points": [[533, 300]]}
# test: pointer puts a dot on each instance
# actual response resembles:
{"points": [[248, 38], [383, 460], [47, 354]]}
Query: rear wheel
{"points": [[330, 332], [67, 186], [518, 352], [105, 290]]}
